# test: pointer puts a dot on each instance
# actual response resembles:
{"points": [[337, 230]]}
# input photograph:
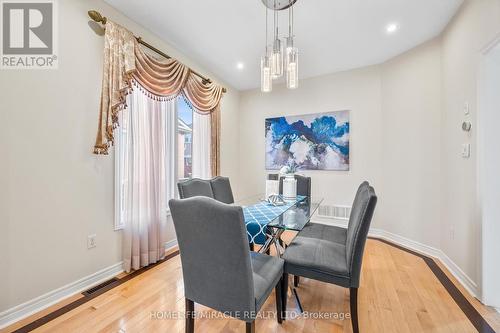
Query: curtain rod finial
{"points": [[96, 16]]}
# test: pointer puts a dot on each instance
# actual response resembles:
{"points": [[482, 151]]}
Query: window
{"points": [[184, 140], [137, 149]]}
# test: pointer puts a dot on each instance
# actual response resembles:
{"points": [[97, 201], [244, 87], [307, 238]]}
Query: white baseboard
{"points": [[170, 244], [35, 305], [427, 250]]}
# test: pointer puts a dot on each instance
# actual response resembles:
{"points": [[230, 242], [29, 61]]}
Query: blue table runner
{"points": [[258, 216]]}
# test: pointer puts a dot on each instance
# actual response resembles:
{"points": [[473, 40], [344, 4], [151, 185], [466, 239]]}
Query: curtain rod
{"points": [[97, 17]]}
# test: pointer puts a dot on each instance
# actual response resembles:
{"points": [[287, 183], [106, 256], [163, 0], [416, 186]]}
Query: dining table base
{"points": [[274, 237]]}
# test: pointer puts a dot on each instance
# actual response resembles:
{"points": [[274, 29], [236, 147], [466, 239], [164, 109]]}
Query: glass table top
{"points": [[294, 218]]}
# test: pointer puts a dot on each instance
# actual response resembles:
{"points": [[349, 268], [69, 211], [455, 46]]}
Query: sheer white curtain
{"points": [[146, 149], [201, 146]]}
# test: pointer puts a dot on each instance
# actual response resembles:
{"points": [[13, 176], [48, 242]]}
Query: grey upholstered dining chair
{"points": [[221, 188], [218, 188], [218, 268], [333, 254], [195, 187], [303, 185]]}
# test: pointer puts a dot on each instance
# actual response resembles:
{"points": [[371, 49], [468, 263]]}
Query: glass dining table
{"points": [[266, 223]]}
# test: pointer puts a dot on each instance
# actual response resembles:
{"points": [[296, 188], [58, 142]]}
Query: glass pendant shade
{"points": [[291, 65], [266, 81], [277, 59]]}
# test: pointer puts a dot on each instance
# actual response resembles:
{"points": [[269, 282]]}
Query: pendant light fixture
{"points": [[291, 56], [278, 61], [277, 56], [266, 80]]}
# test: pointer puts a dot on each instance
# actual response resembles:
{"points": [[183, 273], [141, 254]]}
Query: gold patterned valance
{"points": [[125, 60]]}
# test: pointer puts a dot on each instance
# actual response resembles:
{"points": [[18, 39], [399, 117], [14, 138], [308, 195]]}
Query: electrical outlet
{"points": [[91, 241]]}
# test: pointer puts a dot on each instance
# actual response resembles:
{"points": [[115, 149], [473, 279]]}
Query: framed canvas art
{"points": [[308, 142]]}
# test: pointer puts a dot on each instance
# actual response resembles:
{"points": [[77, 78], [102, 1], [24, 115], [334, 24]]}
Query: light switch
{"points": [[466, 108], [466, 150]]}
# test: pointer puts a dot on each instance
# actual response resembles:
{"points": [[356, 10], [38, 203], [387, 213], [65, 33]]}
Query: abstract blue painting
{"points": [[308, 142]]}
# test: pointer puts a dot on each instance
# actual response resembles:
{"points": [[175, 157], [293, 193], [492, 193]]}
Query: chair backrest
{"points": [[215, 254], [195, 187], [221, 188], [357, 231], [303, 185]]}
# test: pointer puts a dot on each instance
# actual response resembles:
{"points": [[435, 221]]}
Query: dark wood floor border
{"points": [[463, 303], [86, 297]]}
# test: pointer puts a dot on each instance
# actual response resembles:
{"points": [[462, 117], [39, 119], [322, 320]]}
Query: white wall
{"points": [[54, 191], [475, 25]]}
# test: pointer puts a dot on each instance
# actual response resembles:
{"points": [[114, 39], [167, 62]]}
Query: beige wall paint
{"points": [[230, 140], [475, 25], [4, 204], [54, 191], [410, 198]]}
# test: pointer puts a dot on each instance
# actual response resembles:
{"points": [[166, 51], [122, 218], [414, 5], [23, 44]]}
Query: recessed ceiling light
{"points": [[391, 28], [240, 65]]}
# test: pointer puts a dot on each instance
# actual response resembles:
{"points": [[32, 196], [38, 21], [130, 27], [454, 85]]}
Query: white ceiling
{"points": [[332, 35]]}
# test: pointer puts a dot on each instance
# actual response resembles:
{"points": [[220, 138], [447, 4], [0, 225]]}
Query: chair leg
{"points": [[279, 300], [354, 309], [296, 280], [251, 327], [284, 295], [189, 316], [252, 247]]}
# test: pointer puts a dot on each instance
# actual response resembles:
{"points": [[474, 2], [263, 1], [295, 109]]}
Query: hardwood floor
{"points": [[398, 293]]}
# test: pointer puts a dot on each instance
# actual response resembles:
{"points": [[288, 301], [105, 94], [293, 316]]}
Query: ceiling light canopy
{"points": [[278, 4], [240, 65], [392, 28], [277, 61]]}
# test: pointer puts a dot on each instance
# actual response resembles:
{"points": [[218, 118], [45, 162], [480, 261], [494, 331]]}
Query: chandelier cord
{"points": [[290, 21], [275, 21], [266, 33]]}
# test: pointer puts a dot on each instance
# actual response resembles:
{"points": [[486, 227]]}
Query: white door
{"points": [[489, 172]]}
